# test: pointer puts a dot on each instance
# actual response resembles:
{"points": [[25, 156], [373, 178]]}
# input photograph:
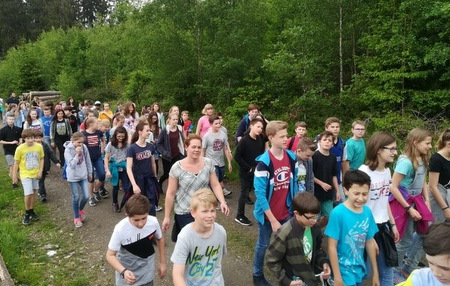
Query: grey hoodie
{"points": [[78, 166]]}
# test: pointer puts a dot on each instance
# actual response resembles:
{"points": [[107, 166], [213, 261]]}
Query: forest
{"points": [[386, 61]]}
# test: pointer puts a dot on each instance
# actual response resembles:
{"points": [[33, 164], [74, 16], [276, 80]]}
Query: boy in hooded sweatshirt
{"points": [[78, 172]]}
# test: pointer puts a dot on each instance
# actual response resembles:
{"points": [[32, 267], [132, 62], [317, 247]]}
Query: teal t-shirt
{"points": [[351, 230], [356, 153]]}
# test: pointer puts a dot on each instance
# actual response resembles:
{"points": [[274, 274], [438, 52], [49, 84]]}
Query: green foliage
{"points": [[283, 55]]}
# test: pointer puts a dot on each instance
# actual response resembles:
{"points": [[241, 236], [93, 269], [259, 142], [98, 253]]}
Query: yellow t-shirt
{"points": [[29, 158], [104, 116]]}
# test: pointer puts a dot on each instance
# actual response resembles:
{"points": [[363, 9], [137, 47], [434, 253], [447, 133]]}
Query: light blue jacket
{"points": [[263, 183]]}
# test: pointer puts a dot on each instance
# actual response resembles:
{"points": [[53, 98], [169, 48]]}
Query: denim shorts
{"points": [[220, 172], [9, 159], [29, 185]]}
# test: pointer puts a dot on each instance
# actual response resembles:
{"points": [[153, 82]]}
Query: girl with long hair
{"points": [[60, 132], [116, 163], [439, 178], [131, 117], [380, 152], [141, 166], [157, 108], [33, 121], [411, 193]]}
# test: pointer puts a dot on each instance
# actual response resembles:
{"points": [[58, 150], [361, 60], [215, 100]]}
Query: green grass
{"points": [[24, 247]]}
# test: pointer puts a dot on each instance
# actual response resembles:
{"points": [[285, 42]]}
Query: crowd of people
{"points": [[377, 224]]}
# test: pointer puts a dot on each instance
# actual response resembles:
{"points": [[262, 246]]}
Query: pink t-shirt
{"points": [[204, 123]]}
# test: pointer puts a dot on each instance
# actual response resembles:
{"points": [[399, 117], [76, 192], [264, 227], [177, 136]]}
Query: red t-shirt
{"points": [[282, 173]]}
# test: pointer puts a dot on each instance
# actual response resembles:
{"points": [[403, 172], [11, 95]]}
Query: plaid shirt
{"points": [[285, 256], [189, 183]]}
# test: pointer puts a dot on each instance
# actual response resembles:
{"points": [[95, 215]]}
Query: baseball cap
{"points": [[97, 103]]}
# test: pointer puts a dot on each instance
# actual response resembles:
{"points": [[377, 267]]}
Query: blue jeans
{"points": [[77, 204], [410, 243], [99, 168], [264, 234], [386, 273]]}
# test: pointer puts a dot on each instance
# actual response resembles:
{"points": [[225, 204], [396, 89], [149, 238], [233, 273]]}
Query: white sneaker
{"points": [[158, 208], [226, 192], [77, 222]]}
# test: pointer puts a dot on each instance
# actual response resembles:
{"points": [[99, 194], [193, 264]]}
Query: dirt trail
{"points": [[96, 232]]}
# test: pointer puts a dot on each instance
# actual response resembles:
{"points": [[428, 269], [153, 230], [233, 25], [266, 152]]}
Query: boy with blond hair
{"points": [[29, 158], [275, 184], [200, 246]]}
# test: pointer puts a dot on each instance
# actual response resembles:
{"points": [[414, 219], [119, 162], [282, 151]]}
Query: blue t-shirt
{"points": [[339, 150], [351, 230], [356, 153], [46, 121], [142, 159], [93, 142]]}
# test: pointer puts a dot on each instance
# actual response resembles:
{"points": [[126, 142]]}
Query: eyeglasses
{"points": [[312, 218], [391, 149], [359, 129]]}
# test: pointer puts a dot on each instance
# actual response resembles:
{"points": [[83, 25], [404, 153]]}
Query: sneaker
{"points": [[249, 201], [92, 202], [97, 196], [43, 198], [82, 215], [34, 216], [15, 186], [226, 192], [104, 193], [26, 220], [115, 208], [77, 222], [159, 208], [260, 281], [243, 221]]}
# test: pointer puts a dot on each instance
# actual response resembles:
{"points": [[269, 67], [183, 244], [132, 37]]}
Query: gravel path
{"points": [[95, 234]]}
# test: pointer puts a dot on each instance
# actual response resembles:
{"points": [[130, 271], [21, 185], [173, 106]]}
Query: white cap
{"points": [[97, 103]]}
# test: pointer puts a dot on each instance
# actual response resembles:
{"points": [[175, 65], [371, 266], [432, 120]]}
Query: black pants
{"points": [[59, 142], [42, 190], [167, 164], [246, 186]]}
